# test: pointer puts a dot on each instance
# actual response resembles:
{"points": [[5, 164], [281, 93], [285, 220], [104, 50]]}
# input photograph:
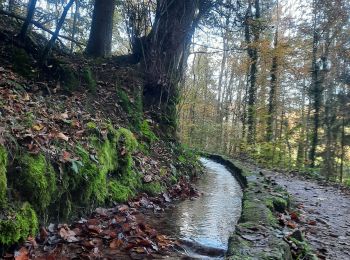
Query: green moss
{"points": [[119, 192], [133, 107], [36, 180], [69, 78], [255, 210], [280, 204], [18, 225], [147, 132], [91, 125], [304, 250], [124, 101], [108, 157], [89, 79], [91, 179], [152, 188], [3, 178]]}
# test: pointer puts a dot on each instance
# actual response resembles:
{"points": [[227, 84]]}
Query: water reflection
{"points": [[210, 219]]}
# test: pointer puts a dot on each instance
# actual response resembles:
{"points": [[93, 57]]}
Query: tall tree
{"points": [[252, 36], [29, 18], [165, 54], [100, 39]]}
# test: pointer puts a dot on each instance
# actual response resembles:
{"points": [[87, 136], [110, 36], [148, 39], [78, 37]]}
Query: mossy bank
{"points": [[74, 151]]}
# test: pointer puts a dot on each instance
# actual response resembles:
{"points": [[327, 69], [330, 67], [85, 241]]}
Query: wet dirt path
{"points": [[325, 214]]}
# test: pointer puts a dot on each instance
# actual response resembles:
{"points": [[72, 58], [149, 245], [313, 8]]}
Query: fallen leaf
{"points": [[312, 223], [147, 178], [38, 127], [22, 254], [68, 235], [116, 243], [291, 224]]}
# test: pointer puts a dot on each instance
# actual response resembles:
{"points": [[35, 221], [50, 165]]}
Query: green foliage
{"points": [[304, 250], [152, 188], [89, 79], [3, 178], [36, 180], [18, 225], [91, 125], [147, 132]]}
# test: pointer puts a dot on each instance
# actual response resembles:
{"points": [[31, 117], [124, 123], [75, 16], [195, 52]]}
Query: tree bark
{"points": [[252, 27], [273, 92], [29, 18], [74, 26], [100, 39], [164, 54]]}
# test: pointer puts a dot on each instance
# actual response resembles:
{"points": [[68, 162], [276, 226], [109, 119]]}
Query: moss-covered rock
{"points": [[18, 225], [3, 178], [36, 180]]}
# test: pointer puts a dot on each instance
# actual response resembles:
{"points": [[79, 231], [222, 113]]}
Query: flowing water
{"points": [[205, 224]]}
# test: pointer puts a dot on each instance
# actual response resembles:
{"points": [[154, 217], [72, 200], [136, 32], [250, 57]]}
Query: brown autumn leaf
{"points": [[66, 156], [116, 243], [68, 235], [94, 229], [312, 223], [294, 216], [22, 254], [64, 115], [59, 135], [291, 224]]}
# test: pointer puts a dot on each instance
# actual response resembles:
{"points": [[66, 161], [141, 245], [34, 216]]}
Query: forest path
{"points": [[325, 214]]}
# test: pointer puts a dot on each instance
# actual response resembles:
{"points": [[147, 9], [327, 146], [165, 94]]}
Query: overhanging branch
{"points": [[40, 26]]}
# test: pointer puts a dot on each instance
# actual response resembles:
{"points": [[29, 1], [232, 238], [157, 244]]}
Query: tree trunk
{"points": [[30, 14], [164, 55], [11, 6], [100, 39], [74, 26], [253, 58], [50, 44], [273, 92]]}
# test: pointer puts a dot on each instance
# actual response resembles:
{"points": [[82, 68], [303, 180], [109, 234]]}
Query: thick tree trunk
{"points": [[164, 55], [100, 39], [29, 18]]}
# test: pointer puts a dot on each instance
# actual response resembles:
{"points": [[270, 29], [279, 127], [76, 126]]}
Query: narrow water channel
{"points": [[205, 224]]}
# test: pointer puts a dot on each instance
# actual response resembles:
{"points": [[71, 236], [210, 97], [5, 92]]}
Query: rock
{"points": [[297, 235]]}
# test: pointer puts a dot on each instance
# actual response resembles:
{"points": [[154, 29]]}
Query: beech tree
{"points": [[164, 55], [100, 39]]}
